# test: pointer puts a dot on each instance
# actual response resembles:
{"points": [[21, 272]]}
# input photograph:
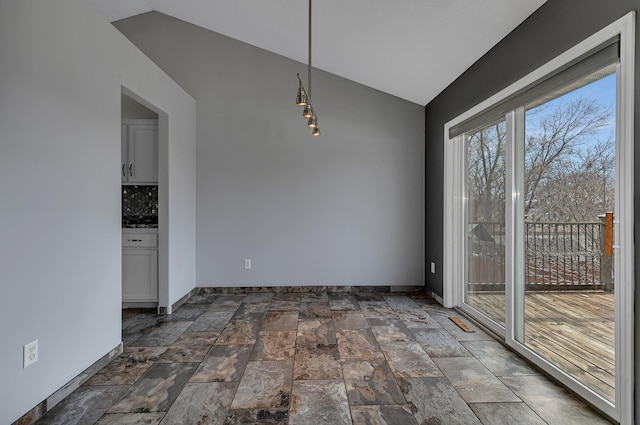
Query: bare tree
{"points": [[569, 172], [580, 186], [563, 159], [486, 173]]}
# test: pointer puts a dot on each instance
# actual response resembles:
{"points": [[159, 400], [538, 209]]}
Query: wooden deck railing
{"points": [[558, 256]]}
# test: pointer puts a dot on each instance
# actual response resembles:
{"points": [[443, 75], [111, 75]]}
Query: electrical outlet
{"points": [[433, 267], [30, 353], [247, 264]]}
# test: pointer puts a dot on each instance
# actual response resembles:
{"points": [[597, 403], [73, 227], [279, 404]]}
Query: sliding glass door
{"points": [[567, 210], [484, 288], [539, 203], [539, 218]]}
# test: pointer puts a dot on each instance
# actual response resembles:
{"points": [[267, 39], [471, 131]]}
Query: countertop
{"points": [[140, 222], [140, 230]]}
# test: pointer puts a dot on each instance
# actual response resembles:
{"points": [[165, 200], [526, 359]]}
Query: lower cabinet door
{"points": [[140, 275]]}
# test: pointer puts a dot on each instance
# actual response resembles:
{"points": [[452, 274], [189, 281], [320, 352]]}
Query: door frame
{"points": [[163, 305], [455, 199]]}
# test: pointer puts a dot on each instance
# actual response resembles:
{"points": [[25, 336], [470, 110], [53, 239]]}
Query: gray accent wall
{"points": [[343, 209], [557, 26]]}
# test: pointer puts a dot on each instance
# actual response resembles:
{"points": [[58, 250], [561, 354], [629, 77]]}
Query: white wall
{"points": [[61, 71], [344, 209]]}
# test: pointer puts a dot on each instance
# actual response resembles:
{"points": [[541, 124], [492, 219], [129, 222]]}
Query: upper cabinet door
{"points": [[143, 153], [124, 147]]}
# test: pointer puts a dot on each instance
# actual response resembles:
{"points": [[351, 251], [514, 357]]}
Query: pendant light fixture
{"points": [[303, 98]]}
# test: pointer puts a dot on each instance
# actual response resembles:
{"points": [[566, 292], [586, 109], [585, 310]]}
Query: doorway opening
{"points": [[143, 129]]}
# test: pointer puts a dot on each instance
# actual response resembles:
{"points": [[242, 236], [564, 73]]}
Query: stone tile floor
{"points": [[300, 359]]}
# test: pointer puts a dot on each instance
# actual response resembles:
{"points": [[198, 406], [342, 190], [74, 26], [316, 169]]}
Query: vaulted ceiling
{"points": [[412, 49]]}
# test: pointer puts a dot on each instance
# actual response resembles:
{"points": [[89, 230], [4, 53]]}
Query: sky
{"points": [[603, 91]]}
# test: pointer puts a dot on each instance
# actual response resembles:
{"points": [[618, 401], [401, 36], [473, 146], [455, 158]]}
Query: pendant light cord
{"points": [[303, 98], [309, 64]]}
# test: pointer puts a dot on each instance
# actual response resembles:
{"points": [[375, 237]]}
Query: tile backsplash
{"points": [[139, 205]]}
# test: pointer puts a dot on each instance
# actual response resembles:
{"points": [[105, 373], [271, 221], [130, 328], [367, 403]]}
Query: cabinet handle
{"points": [[123, 172], [130, 173], [135, 240]]}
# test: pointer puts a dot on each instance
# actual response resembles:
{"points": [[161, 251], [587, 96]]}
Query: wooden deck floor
{"points": [[573, 330]]}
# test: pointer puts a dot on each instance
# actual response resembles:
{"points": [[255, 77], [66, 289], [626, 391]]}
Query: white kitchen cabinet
{"points": [[139, 275], [139, 150], [139, 266]]}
